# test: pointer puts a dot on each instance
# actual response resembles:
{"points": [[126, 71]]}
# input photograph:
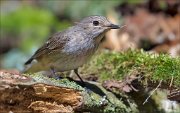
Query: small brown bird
{"points": [[71, 48]]}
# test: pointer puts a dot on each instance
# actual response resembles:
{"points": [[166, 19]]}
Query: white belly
{"points": [[72, 61]]}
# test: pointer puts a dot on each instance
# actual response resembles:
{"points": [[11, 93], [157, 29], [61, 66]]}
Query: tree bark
{"points": [[38, 93]]}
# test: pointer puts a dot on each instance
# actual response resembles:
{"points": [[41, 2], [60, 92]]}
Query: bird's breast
{"points": [[79, 46]]}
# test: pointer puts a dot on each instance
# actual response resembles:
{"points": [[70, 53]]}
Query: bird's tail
{"points": [[31, 66], [28, 62]]}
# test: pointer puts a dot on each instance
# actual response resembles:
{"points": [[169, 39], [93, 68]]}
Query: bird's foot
{"points": [[55, 75]]}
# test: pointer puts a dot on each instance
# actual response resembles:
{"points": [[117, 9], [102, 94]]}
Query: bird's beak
{"points": [[113, 26]]}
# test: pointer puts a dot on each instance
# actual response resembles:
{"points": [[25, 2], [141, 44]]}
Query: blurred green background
{"points": [[26, 24]]}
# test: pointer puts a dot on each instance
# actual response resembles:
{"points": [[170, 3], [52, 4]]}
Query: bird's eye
{"points": [[95, 23]]}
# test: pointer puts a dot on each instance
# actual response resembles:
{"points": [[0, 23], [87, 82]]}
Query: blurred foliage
{"points": [[78, 9], [32, 25], [113, 65]]}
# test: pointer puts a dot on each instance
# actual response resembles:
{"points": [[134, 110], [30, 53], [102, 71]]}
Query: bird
{"points": [[70, 49]]}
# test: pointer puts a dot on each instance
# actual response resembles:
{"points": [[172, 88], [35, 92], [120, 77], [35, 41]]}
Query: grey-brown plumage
{"points": [[70, 49]]}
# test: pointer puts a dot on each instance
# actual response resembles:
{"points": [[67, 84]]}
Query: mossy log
{"points": [[38, 93]]}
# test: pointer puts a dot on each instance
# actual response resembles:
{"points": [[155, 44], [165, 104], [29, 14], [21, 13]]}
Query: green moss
{"points": [[39, 78], [114, 65]]}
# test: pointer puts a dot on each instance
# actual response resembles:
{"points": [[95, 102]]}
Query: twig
{"points": [[171, 81], [152, 92], [170, 86]]}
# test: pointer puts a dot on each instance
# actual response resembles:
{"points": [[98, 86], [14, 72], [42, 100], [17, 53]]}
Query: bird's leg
{"points": [[83, 83], [76, 71], [54, 75]]}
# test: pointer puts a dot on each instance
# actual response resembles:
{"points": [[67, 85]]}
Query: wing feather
{"points": [[54, 43]]}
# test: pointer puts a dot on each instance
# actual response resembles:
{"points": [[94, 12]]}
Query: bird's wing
{"points": [[54, 43]]}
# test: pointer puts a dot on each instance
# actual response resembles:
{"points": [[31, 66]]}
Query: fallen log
{"points": [[38, 93]]}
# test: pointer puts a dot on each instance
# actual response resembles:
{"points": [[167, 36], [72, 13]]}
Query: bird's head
{"points": [[96, 26]]}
